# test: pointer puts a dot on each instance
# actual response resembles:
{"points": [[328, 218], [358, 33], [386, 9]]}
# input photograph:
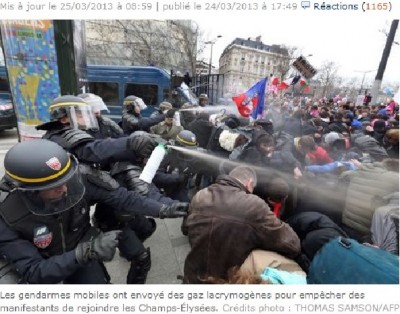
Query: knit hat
{"points": [[227, 140]]}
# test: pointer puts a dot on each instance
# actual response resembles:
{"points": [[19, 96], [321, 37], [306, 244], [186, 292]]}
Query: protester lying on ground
{"points": [[221, 212]]}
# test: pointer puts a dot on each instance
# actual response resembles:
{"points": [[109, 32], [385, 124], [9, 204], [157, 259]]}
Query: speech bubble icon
{"points": [[305, 4]]}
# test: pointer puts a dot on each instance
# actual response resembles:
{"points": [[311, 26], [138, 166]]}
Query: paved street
{"points": [[168, 246]]}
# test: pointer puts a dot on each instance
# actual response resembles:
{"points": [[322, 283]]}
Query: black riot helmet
{"points": [[186, 138], [76, 109], [41, 165]]}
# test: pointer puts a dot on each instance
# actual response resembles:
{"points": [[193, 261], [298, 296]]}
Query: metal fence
{"points": [[212, 85]]}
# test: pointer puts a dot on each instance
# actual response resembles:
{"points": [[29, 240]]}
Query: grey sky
{"points": [[354, 44]]}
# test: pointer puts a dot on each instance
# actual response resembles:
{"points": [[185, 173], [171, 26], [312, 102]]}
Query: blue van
{"points": [[8, 119], [152, 84], [114, 83]]}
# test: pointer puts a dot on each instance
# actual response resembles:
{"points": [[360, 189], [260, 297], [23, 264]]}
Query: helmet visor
{"points": [[82, 118], [56, 199]]}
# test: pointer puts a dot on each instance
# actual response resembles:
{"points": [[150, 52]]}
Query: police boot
{"points": [[140, 266]]}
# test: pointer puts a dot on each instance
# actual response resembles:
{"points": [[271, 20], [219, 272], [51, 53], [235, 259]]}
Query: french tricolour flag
{"points": [[291, 81]]}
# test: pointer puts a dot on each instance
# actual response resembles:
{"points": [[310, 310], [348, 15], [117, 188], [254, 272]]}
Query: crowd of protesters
{"points": [[260, 199]]}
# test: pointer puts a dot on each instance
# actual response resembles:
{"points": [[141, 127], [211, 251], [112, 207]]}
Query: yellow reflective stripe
{"points": [[44, 179], [64, 104], [185, 142]]}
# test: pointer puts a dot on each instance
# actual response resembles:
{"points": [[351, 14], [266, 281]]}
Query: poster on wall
{"points": [[31, 61]]}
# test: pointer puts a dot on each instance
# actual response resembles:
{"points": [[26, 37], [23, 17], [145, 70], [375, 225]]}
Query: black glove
{"points": [[100, 248], [142, 145], [175, 210], [143, 188]]}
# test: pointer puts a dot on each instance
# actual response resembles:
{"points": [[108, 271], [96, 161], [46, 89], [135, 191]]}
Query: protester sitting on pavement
{"points": [[226, 222], [167, 128], [107, 127], [132, 119]]}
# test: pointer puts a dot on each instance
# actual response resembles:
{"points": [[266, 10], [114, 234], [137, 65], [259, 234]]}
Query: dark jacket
{"points": [[107, 129], [314, 230], [202, 128], [225, 223], [56, 262], [132, 123], [282, 157], [86, 148], [337, 126]]}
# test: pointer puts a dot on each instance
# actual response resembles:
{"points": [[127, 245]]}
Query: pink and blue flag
{"points": [[252, 101]]}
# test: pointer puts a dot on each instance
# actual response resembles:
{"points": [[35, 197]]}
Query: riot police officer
{"points": [[132, 120], [44, 221], [48, 207], [107, 128], [71, 117]]}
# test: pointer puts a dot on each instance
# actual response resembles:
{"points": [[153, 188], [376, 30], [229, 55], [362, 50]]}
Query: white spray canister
{"points": [[177, 118], [153, 163]]}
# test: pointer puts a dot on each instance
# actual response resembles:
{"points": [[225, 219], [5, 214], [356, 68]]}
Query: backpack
{"points": [[345, 261]]}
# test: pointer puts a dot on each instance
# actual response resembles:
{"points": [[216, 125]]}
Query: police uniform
{"points": [[85, 147], [107, 129], [105, 152], [40, 238], [132, 121], [43, 238]]}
